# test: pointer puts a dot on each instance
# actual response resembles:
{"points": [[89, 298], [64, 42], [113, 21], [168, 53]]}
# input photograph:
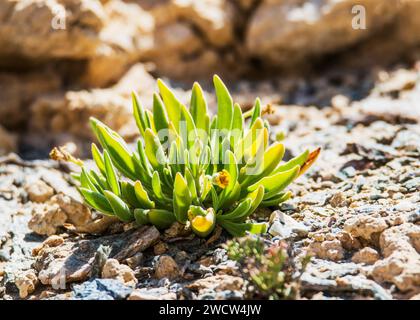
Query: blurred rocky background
{"points": [[62, 61]]}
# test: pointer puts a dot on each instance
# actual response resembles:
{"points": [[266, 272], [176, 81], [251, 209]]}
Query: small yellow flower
{"points": [[203, 225], [222, 179]]}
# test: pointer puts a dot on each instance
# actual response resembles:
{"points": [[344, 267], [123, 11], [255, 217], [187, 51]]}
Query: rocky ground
{"points": [[356, 212]]}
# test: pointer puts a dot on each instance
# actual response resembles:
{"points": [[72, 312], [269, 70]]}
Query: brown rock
{"points": [[27, 28], [46, 219], [72, 261], [68, 113], [51, 241], [310, 29], [166, 267], [338, 200], [401, 266], [135, 260], [364, 226], [366, 255], [348, 241], [160, 248], [139, 241], [114, 270], [141, 294], [218, 283], [330, 250], [26, 283], [77, 213], [39, 191]]}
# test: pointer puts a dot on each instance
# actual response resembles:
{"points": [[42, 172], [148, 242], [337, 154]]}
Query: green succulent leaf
{"points": [[182, 198], [97, 201], [120, 208], [256, 111], [117, 150], [198, 108], [224, 105], [240, 229], [159, 112], [111, 174], [275, 183], [139, 114], [297, 161], [142, 197], [98, 158], [154, 150], [172, 104], [239, 212], [277, 199], [160, 218]]}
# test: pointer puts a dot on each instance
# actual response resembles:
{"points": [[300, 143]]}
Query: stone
{"points": [[152, 294], [166, 267], [46, 219], [135, 260], [101, 289], [160, 248], [365, 226], [73, 261], [77, 213], [338, 200], [310, 29], [112, 269], [330, 250], [400, 245], [366, 255], [26, 283], [285, 227], [66, 114], [39, 191], [217, 283]]}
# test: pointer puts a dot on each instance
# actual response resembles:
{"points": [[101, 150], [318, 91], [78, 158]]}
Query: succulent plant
{"points": [[189, 167]]}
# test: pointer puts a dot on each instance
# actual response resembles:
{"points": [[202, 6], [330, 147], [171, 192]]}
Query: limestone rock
{"points": [[400, 246], [330, 250], [166, 267], [366, 255], [218, 283], [27, 28], [152, 294], [77, 213], [70, 112], [310, 28], [214, 18], [114, 270], [26, 283], [364, 226], [46, 218], [39, 191], [73, 261]]}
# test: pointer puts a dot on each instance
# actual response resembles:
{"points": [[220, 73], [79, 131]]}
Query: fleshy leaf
{"points": [[182, 198], [224, 105]]}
